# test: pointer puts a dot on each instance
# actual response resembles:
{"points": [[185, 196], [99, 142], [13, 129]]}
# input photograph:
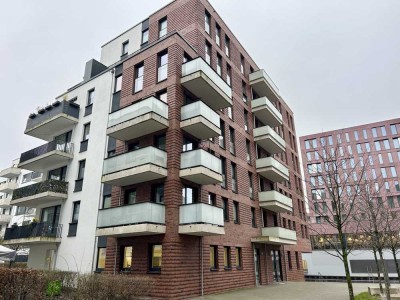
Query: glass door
{"points": [[276, 262]]}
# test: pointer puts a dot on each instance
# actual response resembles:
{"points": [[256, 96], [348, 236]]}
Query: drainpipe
{"points": [[202, 266]]}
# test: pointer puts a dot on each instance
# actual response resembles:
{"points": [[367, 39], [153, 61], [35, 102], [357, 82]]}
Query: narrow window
{"points": [[239, 258], [145, 36], [289, 260], [222, 136], [248, 155], [101, 259], [244, 91], [227, 257], [130, 197], [139, 73], [90, 98], [234, 177], [297, 260], [230, 112], [227, 46], [81, 169], [218, 35], [251, 193], [208, 53], [124, 48], [158, 193], [228, 74], [225, 208], [126, 255], [223, 171], [219, 64], [162, 27], [207, 21], [236, 212], [75, 211], [118, 84], [106, 201], [189, 195], [212, 200], [231, 140], [242, 64], [162, 95], [253, 217], [160, 141], [246, 120], [162, 66], [156, 258], [86, 132], [213, 257]]}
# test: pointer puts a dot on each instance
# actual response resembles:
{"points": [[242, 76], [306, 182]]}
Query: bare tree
{"points": [[393, 236], [335, 179]]}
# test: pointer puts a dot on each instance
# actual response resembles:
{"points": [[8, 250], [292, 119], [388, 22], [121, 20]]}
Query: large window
{"points": [[189, 195], [155, 258], [126, 257], [139, 73], [57, 174], [162, 66], [213, 257], [162, 27]]}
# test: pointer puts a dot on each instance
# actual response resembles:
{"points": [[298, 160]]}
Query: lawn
{"points": [[365, 296]]}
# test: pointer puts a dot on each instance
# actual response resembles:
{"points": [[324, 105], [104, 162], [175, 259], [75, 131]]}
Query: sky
{"points": [[336, 63]]}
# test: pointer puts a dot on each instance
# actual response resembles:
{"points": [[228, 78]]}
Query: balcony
{"points": [[5, 219], [5, 202], [132, 220], [53, 120], [8, 187], [200, 121], [134, 167], [139, 119], [201, 80], [34, 233], [45, 193], [48, 156], [201, 220], [10, 172], [266, 112], [200, 167], [275, 201], [276, 236], [272, 169], [263, 85], [269, 140]]}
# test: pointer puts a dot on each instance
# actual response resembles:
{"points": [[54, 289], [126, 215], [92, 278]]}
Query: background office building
{"points": [[191, 173], [378, 146]]}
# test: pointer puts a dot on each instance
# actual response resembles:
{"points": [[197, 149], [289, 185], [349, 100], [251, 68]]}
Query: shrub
{"points": [[53, 288]]}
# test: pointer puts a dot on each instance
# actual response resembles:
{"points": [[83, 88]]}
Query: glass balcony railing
{"points": [[199, 109], [201, 158], [201, 213], [132, 214], [148, 155]]}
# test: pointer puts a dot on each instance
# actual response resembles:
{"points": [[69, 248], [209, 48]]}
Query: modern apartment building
{"points": [[191, 174], [378, 146]]}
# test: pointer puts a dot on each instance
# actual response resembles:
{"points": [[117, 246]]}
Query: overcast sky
{"points": [[337, 63]]}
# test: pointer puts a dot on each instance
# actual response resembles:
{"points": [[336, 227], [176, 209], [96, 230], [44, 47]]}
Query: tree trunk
{"points": [[378, 270], [396, 263], [385, 275], [346, 268]]}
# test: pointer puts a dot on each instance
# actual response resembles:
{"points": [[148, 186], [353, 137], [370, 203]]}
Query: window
{"points": [[162, 27], [359, 149], [378, 146], [213, 257], [222, 136], [57, 174], [365, 134], [246, 120], [81, 169], [367, 147], [238, 257], [139, 73], [236, 212], [227, 46], [162, 95], [158, 193], [251, 193], [86, 131], [380, 158], [207, 21], [356, 135], [208, 53], [231, 140], [162, 66], [383, 130], [101, 258], [218, 35], [383, 171], [225, 208], [90, 98], [242, 64], [374, 132], [393, 129], [219, 65], [126, 255], [390, 201], [234, 177], [227, 257], [189, 144], [106, 201], [397, 186], [228, 74], [289, 260], [253, 217], [75, 211], [160, 141], [212, 200], [230, 112], [386, 144], [130, 197], [248, 155], [145, 36], [124, 50], [223, 171], [396, 143], [330, 140], [189, 195], [297, 260], [155, 258], [118, 84], [244, 91], [393, 170], [387, 186]]}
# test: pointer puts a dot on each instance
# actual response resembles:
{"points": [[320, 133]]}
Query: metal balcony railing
{"points": [[33, 230], [55, 186], [46, 148]]}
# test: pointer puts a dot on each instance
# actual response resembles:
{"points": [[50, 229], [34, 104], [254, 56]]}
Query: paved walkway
{"points": [[292, 291]]}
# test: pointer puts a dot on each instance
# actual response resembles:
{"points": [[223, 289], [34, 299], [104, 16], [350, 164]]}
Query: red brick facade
{"points": [[182, 255]]}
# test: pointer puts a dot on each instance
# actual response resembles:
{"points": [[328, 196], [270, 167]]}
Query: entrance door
{"points": [[257, 265], [276, 262]]}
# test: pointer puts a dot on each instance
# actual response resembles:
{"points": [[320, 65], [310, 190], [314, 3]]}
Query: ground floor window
{"points": [[101, 259], [155, 258], [227, 257], [126, 255], [239, 258], [213, 257]]}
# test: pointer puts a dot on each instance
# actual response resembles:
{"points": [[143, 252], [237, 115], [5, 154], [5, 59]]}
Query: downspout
{"points": [[202, 266]]}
